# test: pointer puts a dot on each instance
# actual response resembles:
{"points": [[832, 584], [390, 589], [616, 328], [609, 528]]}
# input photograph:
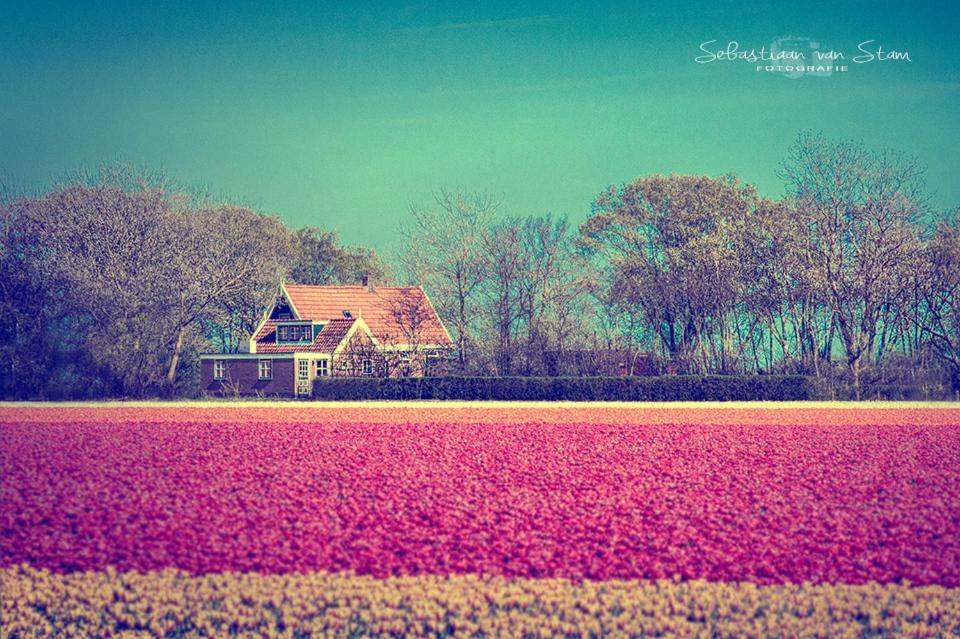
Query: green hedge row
{"points": [[889, 392], [666, 388]]}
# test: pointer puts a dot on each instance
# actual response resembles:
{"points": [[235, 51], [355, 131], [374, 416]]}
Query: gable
{"points": [[282, 308]]}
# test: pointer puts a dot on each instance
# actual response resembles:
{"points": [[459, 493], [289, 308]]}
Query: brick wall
{"points": [[349, 363], [244, 374]]}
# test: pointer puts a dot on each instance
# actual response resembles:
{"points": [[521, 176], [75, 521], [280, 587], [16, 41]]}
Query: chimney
{"points": [[364, 279], [367, 281]]}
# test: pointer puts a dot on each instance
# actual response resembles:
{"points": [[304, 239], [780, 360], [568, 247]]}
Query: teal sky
{"points": [[341, 115]]}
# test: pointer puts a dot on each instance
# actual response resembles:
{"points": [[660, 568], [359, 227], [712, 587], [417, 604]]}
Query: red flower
{"points": [[614, 499]]}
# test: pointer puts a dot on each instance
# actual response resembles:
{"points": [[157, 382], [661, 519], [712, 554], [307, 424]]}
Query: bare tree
{"points": [[221, 253], [502, 291], [551, 292], [412, 315], [319, 257], [673, 245], [105, 251], [444, 252], [863, 208], [140, 272], [31, 347], [782, 301], [941, 294], [361, 357]]}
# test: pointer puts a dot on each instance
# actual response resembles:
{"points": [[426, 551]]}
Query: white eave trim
{"points": [[256, 331], [204, 356], [418, 347], [357, 324], [289, 300]]}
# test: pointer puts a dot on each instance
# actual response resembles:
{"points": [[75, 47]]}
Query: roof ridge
{"points": [[356, 286], [325, 285]]}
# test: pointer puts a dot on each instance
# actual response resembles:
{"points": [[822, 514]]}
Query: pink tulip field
{"points": [[574, 494]]}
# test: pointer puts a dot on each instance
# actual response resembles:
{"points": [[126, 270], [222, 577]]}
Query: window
{"points": [[367, 366], [323, 367], [295, 333], [433, 366], [219, 369], [265, 369]]}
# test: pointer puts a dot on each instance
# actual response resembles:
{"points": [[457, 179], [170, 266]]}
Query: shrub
{"points": [[667, 388]]}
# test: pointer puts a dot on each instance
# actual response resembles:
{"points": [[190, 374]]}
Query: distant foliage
{"points": [[842, 273], [113, 288], [319, 257], [114, 281]]}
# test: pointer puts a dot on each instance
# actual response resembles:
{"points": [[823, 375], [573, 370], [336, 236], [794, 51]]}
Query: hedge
{"points": [[890, 392], [665, 388]]}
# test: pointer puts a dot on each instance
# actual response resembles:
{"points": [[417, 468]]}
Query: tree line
{"points": [[849, 274], [113, 283]]}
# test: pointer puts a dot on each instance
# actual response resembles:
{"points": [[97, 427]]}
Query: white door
{"points": [[303, 377]]}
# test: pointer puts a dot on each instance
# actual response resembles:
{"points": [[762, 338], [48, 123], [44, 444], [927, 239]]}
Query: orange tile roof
{"points": [[396, 315]]}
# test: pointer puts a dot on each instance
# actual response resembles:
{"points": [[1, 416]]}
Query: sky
{"points": [[343, 115]]}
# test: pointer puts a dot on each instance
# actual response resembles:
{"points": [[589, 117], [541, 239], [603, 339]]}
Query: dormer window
{"points": [[296, 333]]}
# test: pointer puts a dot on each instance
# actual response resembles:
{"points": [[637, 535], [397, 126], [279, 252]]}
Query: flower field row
{"points": [[170, 603], [843, 501], [498, 413]]}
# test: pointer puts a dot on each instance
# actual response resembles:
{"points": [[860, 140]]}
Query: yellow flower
{"points": [[37, 603]]}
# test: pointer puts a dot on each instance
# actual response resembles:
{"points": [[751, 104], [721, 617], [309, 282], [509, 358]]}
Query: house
{"points": [[321, 331]]}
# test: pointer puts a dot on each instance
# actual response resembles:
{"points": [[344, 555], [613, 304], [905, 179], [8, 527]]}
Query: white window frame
{"points": [[366, 366], [264, 365], [219, 369], [287, 332], [323, 368]]}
